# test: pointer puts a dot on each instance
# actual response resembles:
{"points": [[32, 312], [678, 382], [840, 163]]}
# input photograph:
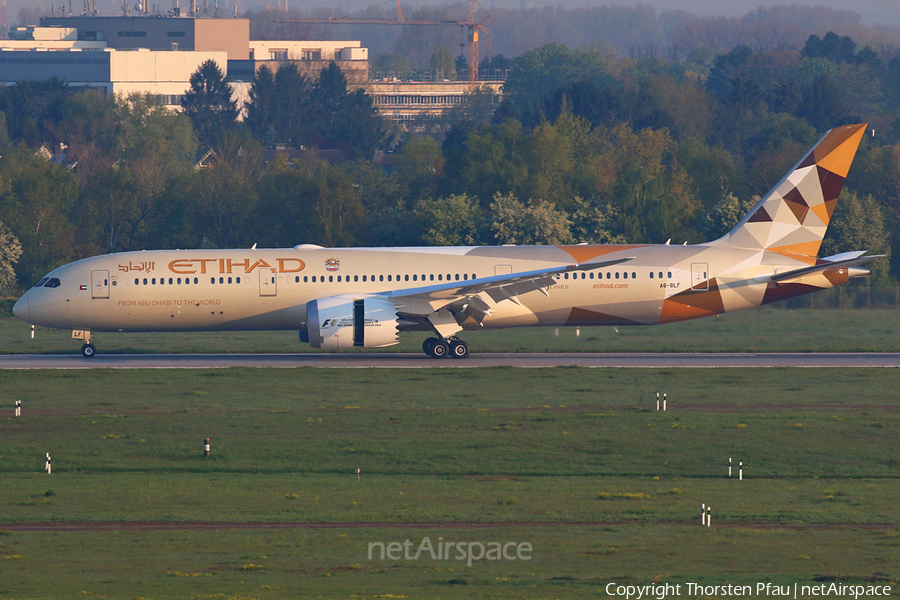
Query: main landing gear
{"points": [[88, 350], [440, 348]]}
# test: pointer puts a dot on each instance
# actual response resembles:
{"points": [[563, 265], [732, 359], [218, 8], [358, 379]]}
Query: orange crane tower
{"points": [[472, 26]]}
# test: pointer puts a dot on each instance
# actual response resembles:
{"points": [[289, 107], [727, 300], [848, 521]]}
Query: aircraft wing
{"points": [[485, 291], [846, 260]]}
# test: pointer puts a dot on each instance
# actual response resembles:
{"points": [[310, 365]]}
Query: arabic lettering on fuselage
{"points": [[147, 265], [203, 266]]}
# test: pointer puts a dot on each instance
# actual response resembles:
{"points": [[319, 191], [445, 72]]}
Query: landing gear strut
{"points": [[439, 348]]}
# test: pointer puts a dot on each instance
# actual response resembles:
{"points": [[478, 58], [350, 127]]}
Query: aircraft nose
{"points": [[21, 308]]}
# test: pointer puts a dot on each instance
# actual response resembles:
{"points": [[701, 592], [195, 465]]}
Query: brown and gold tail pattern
{"points": [[792, 218]]}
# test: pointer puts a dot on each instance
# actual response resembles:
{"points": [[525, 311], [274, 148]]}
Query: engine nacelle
{"points": [[347, 322]]}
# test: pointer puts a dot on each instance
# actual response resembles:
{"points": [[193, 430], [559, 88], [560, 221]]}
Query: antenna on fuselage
{"points": [[253, 247]]}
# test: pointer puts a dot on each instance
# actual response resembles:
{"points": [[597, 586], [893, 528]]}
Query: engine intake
{"points": [[347, 322]]}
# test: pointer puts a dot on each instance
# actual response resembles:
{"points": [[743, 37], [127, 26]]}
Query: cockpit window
{"points": [[52, 282], [41, 282]]}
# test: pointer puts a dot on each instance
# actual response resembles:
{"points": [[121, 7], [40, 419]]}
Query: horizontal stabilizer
{"points": [[844, 260]]}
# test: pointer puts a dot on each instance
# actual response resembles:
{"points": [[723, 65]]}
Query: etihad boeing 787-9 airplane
{"points": [[363, 297]]}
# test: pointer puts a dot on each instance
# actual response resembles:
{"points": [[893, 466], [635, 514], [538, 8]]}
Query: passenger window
{"points": [[221, 280], [306, 279], [670, 274], [617, 275], [381, 278], [170, 281], [633, 275], [314, 279], [651, 274], [339, 278], [625, 274], [229, 280], [196, 280], [591, 275], [212, 279], [465, 276], [457, 277], [566, 276], [137, 282], [415, 277], [145, 281], [153, 281], [364, 277], [406, 277], [331, 278]]}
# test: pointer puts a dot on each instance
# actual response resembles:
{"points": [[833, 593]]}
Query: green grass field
{"points": [[576, 462], [760, 330]]}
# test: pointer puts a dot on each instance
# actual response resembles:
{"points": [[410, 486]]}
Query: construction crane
{"points": [[472, 26]]}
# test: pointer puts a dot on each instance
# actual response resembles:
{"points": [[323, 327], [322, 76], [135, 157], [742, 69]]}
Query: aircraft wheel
{"points": [[88, 351], [440, 349], [459, 349], [428, 344]]}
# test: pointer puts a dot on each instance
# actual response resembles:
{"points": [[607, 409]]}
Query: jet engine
{"points": [[346, 322]]}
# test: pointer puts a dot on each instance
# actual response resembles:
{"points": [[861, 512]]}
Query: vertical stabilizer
{"points": [[792, 217]]}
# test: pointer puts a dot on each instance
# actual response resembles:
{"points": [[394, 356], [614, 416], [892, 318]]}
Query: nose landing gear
{"points": [[87, 350], [440, 348]]}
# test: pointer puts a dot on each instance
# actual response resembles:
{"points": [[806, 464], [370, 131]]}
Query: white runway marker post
{"points": [[708, 516], [657, 400], [206, 447], [729, 466], [664, 401], [741, 471], [47, 466], [32, 332], [703, 514], [18, 408], [357, 472]]}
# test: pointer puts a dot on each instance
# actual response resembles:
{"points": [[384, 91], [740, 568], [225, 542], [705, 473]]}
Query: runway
{"points": [[420, 361]]}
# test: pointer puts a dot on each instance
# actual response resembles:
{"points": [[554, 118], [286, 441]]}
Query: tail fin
{"points": [[792, 218]]}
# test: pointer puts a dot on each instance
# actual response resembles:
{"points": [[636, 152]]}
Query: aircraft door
{"points": [[268, 283], [99, 284], [699, 276]]}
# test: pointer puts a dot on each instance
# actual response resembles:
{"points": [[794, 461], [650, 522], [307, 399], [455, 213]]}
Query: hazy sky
{"points": [[873, 12]]}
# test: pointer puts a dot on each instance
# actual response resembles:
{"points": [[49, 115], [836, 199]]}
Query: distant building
{"points": [[162, 33], [309, 56], [162, 74], [158, 55], [413, 103]]}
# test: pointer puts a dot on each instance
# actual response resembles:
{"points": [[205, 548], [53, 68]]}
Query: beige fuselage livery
{"points": [[345, 297]]}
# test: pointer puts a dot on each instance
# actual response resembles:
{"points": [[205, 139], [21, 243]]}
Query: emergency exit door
{"points": [[99, 284], [699, 276], [268, 283]]}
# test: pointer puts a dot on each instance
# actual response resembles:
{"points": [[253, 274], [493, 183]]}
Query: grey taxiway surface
{"points": [[409, 361]]}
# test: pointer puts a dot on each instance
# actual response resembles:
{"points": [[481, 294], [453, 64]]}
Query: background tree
{"points": [[342, 119], [209, 103], [454, 220], [516, 222], [10, 251]]}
